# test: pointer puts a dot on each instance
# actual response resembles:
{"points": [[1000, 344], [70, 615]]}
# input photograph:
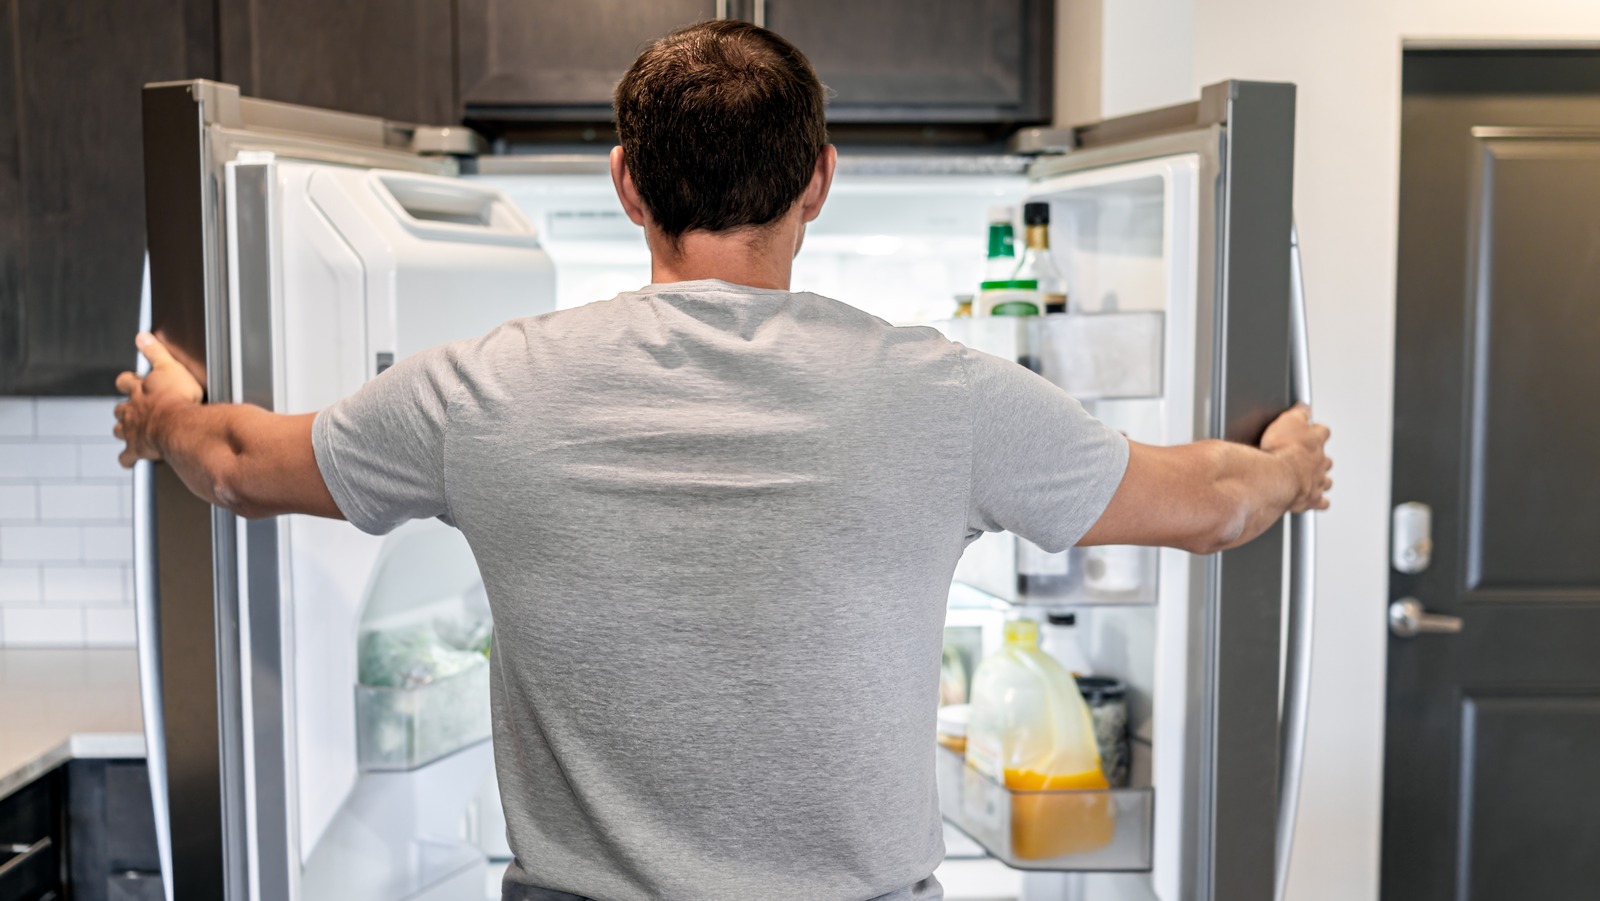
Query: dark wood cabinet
{"points": [[557, 61], [72, 180], [394, 59], [940, 61], [33, 838], [887, 61]]}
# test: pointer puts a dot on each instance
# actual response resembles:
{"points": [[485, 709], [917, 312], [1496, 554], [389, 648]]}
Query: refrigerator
{"points": [[295, 253]]}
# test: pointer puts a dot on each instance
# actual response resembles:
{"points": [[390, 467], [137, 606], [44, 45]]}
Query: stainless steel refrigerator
{"points": [[295, 253]]}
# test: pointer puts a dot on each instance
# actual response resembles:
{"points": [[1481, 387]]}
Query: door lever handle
{"points": [[1408, 619]]}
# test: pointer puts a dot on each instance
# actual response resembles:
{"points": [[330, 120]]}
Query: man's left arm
{"points": [[240, 457]]}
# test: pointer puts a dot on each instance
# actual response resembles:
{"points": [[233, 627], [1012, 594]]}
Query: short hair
{"points": [[721, 124]]}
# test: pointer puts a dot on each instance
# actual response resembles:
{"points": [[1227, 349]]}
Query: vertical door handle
{"points": [[1408, 619], [1296, 716]]}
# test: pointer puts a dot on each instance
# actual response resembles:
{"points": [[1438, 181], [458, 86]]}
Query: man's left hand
{"points": [[168, 382]]}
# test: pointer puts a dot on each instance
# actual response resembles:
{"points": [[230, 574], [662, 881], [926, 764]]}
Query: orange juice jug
{"points": [[1031, 731]]}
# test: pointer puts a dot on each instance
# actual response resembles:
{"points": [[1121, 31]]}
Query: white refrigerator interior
{"points": [[375, 265]]}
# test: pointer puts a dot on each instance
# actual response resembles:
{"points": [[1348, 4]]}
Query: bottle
{"points": [[1030, 730], [1037, 263], [963, 306], [1002, 260]]}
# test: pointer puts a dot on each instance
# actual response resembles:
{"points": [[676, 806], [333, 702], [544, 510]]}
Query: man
{"points": [[717, 520]]}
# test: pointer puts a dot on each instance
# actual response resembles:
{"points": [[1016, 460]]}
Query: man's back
{"points": [[717, 527]]}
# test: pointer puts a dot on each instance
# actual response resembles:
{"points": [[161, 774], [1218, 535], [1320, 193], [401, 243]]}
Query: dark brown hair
{"points": [[721, 124]]}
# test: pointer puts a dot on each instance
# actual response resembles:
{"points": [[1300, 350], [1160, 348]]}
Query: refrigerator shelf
{"points": [[406, 728], [1079, 831]]}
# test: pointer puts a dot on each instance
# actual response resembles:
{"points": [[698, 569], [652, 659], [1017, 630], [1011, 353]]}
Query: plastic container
{"points": [[405, 728], [952, 732], [1031, 731]]}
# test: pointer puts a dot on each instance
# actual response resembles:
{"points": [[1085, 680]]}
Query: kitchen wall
{"points": [[66, 539], [1346, 58]]}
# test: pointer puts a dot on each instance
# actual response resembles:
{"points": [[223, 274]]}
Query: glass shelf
{"points": [[1080, 831], [1093, 356]]}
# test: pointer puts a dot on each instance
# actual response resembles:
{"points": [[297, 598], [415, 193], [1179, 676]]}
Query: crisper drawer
{"points": [[1098, 831], [404, 728]]}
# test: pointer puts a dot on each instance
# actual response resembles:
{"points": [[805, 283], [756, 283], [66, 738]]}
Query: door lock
{"points": [[1412, 537], [1408, 619]]}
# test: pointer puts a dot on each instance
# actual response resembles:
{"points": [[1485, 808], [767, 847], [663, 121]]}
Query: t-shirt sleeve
{"points": [[1042, 467], [382, 449]]}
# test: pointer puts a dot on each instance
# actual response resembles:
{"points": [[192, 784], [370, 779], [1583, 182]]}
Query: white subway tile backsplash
{"points": [[100, 585], [16, 417], [109, 628], [19, 502], [107, 543], [43, 543], [78, 417], [20, 585], [75, 502], [38, 461], [66, 540], [98, 460], [42, 627]]}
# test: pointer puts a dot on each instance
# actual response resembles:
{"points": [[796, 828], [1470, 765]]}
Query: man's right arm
{"points": [[1210, 496]]}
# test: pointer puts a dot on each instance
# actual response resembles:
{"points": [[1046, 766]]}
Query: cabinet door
{"points": [[392, 59], [924, 60], [557, 61], [72, 182]]}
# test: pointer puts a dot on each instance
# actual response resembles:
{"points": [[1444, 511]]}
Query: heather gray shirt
{"points": [[717, 527]]}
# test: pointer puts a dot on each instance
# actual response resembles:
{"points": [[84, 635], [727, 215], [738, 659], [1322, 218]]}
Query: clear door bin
{"points": [[1093, 356], [405, 728], [1101, 831], [1099, 576]]}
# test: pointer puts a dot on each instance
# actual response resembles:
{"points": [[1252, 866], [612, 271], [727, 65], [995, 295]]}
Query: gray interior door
{"points": [[1492, 768]]}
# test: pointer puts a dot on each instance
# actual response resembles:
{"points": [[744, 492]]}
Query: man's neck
{"points": [[757, 260]]}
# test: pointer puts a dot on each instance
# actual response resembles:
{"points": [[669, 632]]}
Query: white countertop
{"points": [[58, 704]]}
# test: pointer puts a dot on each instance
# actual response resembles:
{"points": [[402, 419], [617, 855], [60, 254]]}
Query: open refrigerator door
{"points": [[322, 706], [1172, 231]]}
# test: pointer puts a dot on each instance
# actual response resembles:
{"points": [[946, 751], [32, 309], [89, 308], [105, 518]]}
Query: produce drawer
{"points": [[1101, 831], [405, 728]]}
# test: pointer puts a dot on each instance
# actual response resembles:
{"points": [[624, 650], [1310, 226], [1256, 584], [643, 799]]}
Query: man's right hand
{"points": [[1300, 443]]}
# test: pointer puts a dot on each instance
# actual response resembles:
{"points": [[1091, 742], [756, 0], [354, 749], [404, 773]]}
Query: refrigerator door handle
{"points": [[147, 626], [147, 622], [1295, 716]]}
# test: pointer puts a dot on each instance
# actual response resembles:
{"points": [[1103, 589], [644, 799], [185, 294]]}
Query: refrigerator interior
{"points": [[902, 247], [898, 246]]}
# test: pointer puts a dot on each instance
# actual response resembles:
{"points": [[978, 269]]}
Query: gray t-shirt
{"points": [[717, 526]]}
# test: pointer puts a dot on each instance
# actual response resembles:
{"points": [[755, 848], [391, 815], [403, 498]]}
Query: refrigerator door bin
{"points": [[1092, 356], [405, 728], [1083, 831]]}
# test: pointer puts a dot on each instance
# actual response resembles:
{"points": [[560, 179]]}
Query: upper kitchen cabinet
{"points": [[889, 62], [557, 62], [934, 61], [394, 59], [72, 181]]}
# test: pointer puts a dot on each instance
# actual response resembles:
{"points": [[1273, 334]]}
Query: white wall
{"points": [[1345, 56]]}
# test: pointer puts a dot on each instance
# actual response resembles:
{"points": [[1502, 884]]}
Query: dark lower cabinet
{"points": [[83, 831], [112, 853], [33, 840], [71, 179]]}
